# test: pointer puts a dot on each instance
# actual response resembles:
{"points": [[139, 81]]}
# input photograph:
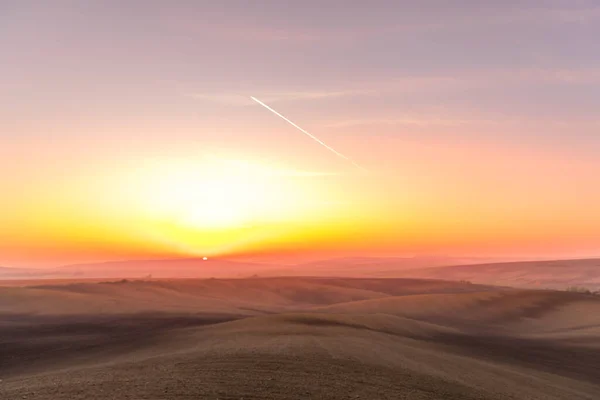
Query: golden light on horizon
{"points": [[216, 205], [198, 205]]}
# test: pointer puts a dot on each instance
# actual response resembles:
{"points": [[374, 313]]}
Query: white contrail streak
{"points": [[316, 139]]}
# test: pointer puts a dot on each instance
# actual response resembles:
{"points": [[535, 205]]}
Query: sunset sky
{"points": [[127, 130]]}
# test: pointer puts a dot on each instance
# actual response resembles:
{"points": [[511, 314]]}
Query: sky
{"points": [[127, 130]]}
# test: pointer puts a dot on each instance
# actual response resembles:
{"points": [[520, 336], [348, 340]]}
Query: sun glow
{"points": [[214, 196], [213, 205]]}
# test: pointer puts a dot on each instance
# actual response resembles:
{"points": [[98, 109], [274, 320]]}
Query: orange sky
{"points": [[416, 197], [141, 141]]}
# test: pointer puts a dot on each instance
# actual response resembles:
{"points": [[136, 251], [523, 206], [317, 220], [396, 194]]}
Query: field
{"points": [[296, 338]]}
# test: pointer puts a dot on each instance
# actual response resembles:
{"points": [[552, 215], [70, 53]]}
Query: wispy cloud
{"points": [[236, 99], [245, 168], [408, 84], [406, 121], [481, 118], [564, 75], [231, 99]]}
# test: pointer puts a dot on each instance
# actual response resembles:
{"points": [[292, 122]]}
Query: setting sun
{"points": [[218, 205], [216, 194], [209, 199]]}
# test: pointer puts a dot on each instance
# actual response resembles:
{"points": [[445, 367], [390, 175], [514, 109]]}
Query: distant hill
{"points": [[556, 274], [370, 266], [180, 268], [171, 268], [222, 268], [18, 273]]}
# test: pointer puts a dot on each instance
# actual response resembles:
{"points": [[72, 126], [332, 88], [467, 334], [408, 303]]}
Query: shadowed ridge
{"points": [[505, 309], [553, 274]]}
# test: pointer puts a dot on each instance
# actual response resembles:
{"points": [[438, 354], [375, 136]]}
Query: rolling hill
{"points": [[555, 274], [297, 338]]}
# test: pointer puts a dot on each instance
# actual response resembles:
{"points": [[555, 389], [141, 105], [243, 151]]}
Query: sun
{"points": [[224, 202], [220, 195], [215, 206]]}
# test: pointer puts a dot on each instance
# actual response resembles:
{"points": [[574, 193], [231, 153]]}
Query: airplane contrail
{"points": [[316, 139]]}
